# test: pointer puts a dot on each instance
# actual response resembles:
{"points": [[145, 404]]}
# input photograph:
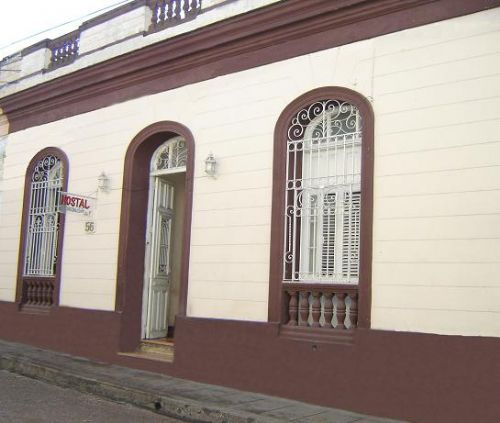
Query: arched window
{"points": [[322, 201], [322, 208], [42, 230]]}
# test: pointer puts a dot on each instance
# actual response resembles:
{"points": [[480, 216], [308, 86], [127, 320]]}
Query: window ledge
{"points": [[34, 309], [318, 335]]}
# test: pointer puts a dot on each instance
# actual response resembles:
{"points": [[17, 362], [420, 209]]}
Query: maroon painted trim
{"points": [[133, 223], [25, 219], [276, 299], [277, 32]]}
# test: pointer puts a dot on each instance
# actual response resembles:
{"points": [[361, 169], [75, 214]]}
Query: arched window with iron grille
{"points": [[322, 206], [42, 231]]}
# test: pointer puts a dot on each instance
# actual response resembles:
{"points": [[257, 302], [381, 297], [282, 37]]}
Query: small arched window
{"points": [[322, 202], [42, 230]]}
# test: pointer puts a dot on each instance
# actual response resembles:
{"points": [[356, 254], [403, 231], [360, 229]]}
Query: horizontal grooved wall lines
{"points": [[436, 98]]}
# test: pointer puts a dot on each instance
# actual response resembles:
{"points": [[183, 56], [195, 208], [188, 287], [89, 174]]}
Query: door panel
{"points": [[160, 265]]}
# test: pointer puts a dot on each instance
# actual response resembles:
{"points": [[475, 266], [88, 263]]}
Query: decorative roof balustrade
{"points": [[168, 13], [128, 25], [64, 50]]}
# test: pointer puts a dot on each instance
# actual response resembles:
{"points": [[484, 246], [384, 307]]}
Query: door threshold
{"points": [[159, 349], [159, 341]]}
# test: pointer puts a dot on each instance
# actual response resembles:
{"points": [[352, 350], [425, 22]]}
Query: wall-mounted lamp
{"points": [[103, 182], [210, 165]]}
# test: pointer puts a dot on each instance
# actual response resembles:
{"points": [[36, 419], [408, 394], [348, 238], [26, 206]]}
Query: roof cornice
{"points": [[285, 29]]}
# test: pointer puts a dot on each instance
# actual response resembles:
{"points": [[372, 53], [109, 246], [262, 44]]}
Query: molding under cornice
{"points": [[277, 32]]}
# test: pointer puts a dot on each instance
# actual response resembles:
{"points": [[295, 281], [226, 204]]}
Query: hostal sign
{"points": [[76, 203]]}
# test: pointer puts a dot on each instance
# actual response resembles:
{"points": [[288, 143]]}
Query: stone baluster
{"points": [[29, 293], [32, 292], [159, 12], [74, 45], [51, 294], [66, 49], [293, 308], [340, 310], [328, 309], [353, 310], [38, 293], [170, 10], [316, 309], [177, 10], [55, 55], [304, 308], [43, 290], [47, 293]]}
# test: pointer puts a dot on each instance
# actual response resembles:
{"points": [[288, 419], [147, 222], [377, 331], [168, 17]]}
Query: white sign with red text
{"points": [[76, 203]]}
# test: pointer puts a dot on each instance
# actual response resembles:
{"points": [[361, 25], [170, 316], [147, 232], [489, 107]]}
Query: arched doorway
{"points": [[149, 205], [166, 211]]}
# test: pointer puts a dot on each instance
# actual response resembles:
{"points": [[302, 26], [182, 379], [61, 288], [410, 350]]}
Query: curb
{"points": [[182, 409]]}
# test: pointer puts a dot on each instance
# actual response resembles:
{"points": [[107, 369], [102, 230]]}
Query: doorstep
{"points": [[153, 349]]}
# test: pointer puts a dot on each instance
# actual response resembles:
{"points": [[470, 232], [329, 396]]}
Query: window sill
{"points": [[318, 335], [35, 309]]}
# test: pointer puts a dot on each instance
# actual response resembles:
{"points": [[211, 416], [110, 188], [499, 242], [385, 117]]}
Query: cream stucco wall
{"points": [[436, 96]]}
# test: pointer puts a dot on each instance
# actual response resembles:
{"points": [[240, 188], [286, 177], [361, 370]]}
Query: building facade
{"points": [[303, 197]]}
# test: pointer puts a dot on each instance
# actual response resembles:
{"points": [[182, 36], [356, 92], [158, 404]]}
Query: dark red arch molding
{"points": [[279, 175], [24, 222], [133, 220]]}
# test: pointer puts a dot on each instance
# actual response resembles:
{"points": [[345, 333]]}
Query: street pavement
{"points": [[25, 400]]}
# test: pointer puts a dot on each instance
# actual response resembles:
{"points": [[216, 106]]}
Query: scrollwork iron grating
{"points": [[323, 194]]}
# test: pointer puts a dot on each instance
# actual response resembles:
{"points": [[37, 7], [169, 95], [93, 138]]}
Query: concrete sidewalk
{"points": [[186, 400]]}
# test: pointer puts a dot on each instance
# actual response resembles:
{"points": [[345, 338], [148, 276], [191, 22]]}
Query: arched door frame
{"points": [[133, 223]]}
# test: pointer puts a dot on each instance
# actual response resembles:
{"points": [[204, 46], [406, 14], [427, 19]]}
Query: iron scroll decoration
{"points": [[344, 120], [44, 167], [171, 155]]}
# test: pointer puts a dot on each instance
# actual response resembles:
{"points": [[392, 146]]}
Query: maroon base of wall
{"points": [[417, 377], [88, 333]]}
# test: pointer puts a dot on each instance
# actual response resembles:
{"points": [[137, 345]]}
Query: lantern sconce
{"points": [[103, 182], [210, 165]]}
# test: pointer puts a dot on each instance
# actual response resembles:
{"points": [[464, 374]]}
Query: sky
{"points": [[28, 18]]}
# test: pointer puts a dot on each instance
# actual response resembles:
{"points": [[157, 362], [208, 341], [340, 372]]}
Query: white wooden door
{"points": [[160, 265]]}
